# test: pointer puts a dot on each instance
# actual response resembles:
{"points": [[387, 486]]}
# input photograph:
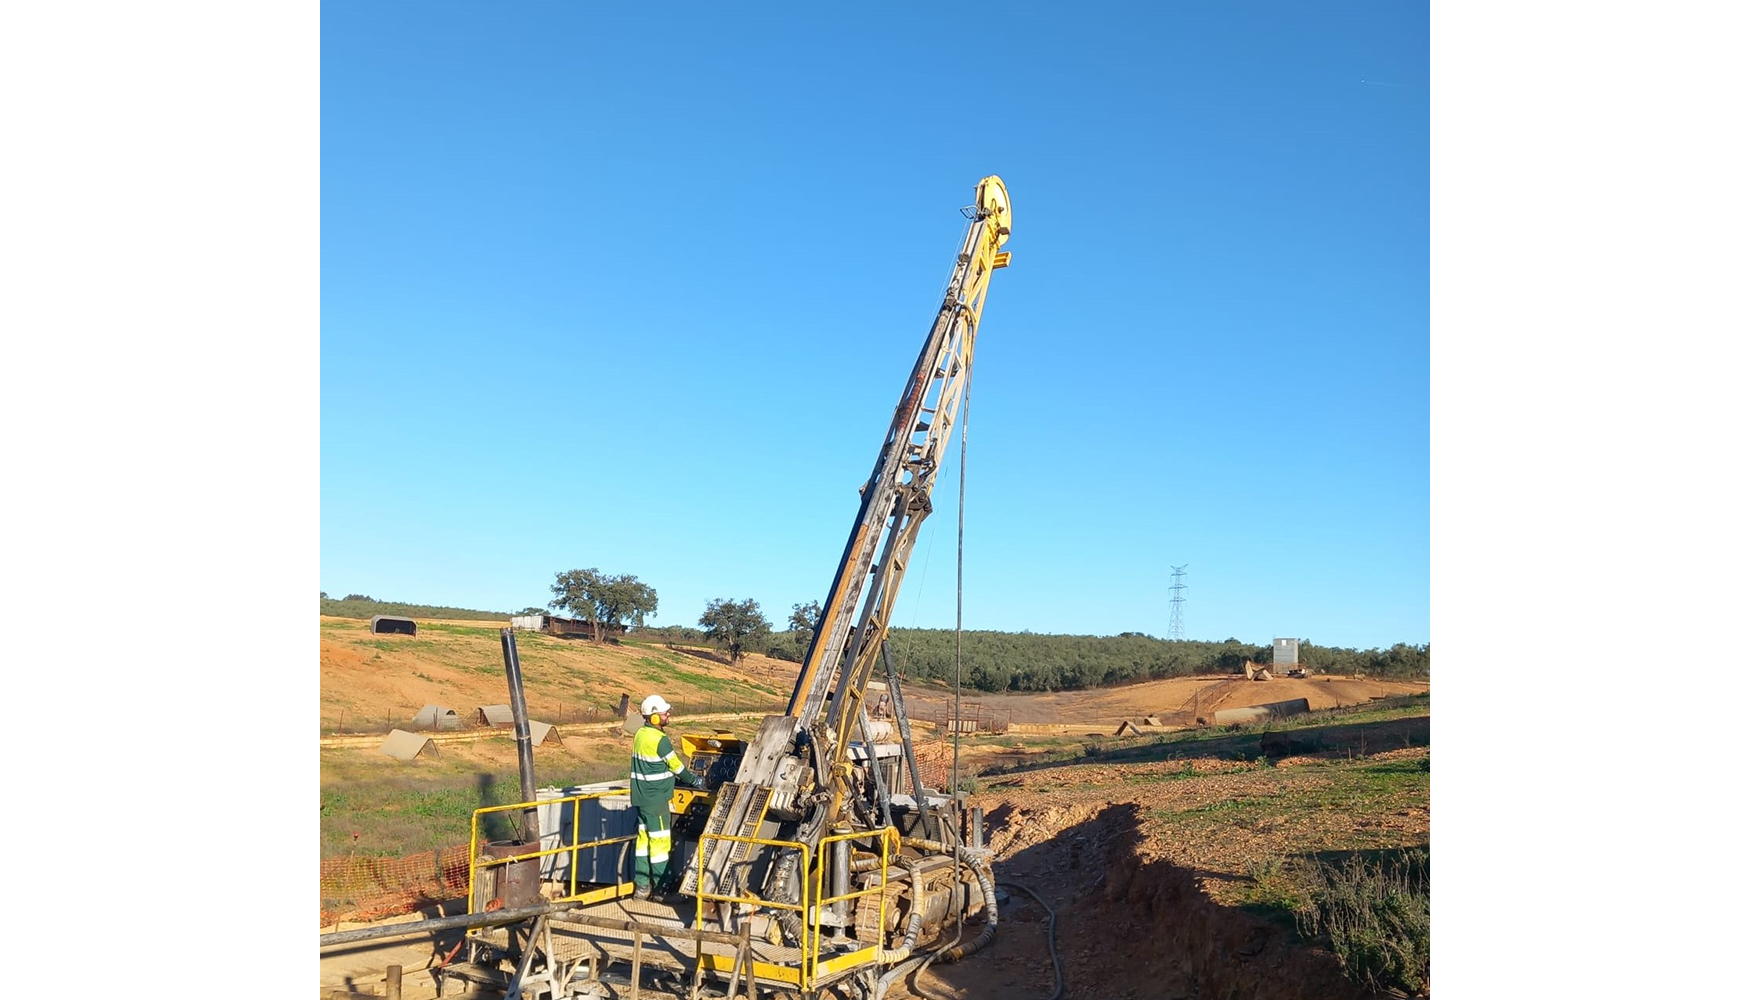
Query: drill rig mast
{"points": [[798, 779]]}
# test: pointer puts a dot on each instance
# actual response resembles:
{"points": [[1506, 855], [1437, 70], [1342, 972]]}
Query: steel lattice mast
{"points": [[1176, 627]]}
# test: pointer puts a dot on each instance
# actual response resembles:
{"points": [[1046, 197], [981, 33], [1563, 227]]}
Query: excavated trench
{"points": [[1127, 928]]}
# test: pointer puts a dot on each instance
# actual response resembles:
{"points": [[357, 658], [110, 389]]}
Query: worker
{"points": [[655, 767]]}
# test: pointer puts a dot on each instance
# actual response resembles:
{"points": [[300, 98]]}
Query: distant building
{"points": [[1287, 655], [554, 625]]}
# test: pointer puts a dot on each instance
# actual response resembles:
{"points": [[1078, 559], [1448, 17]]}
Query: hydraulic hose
{"points": [[985, 936], [956, 952], [913, 926], [897, 972], [1050, 941], [933, 846]]}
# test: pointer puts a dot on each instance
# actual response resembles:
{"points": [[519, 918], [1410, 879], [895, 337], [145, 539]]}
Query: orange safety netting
{"points": [[368, 888], [934, 759]]}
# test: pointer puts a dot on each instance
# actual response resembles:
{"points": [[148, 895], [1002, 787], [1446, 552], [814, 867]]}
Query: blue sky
{"points": [[606, 286]]}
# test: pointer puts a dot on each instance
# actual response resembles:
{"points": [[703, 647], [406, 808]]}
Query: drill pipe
{"points": [[469, 920]]}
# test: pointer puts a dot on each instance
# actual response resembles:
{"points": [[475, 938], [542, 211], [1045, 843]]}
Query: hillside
{"points": [[370, 682]]}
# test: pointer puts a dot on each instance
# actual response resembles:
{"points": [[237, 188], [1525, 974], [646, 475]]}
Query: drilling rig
{"points": [[800, 778], [804, 868]]}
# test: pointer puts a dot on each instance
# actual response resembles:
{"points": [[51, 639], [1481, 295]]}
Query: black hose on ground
{"points": [[1050, 936]]}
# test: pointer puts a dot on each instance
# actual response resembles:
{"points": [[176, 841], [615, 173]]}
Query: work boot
{"points": [[641, 892]]}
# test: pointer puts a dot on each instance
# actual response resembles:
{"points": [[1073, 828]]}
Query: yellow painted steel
{"points": [[807, 975], [693, 744], [818, 650], [982, 258], [993, 195], [683, 798], [804, 975], [591, 894]]}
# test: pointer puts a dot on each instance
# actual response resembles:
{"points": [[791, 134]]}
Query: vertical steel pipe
{"points": [[525, 747]]}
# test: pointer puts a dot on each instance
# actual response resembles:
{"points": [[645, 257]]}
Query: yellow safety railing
{"points": [[478, 864], [813, 895]]}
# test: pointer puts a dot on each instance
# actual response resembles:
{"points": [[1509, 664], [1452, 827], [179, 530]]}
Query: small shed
{"points": [[555, 625], [494, 715], [1285, 654], [392, 625], [437, 717], [403, 745], [1127, 727], [540, 732]]}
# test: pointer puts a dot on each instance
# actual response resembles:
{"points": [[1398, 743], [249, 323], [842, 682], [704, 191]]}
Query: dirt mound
{"points": [[1126, 924]]}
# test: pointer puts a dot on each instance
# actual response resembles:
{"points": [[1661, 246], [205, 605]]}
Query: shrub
{"points": [[1376, 915]]}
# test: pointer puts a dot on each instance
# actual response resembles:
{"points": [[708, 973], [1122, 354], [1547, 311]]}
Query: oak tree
{"points": [[601, 599], [732, 625]]}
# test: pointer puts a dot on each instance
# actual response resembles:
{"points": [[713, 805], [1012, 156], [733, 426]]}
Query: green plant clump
{"points": [[1377, 917]]}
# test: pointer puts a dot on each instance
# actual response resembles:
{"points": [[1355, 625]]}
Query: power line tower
{"points": [[1176, 629]]}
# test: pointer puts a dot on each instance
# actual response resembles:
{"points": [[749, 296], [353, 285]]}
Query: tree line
{"points": [[1027, 661], [989, 661]]}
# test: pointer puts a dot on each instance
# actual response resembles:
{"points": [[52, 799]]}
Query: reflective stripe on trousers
{"points": [[650, 851]]}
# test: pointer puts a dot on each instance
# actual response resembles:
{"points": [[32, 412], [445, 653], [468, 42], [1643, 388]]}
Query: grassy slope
{"points": [[370, 682]]}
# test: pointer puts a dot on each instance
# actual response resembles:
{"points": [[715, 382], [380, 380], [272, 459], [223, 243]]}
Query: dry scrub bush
{"points": [[1376, 915]]}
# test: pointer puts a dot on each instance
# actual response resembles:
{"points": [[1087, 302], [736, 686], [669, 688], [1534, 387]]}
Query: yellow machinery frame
{"points": [[805, 976]]}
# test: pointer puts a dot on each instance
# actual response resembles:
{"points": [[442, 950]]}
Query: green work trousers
{"points": [[650, 853]]}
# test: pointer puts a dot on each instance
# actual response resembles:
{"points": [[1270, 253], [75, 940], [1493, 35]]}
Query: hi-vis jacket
{"points": [[655, 765]]}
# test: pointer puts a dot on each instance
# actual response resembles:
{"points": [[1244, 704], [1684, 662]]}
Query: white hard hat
{"points": [[654, 705]]}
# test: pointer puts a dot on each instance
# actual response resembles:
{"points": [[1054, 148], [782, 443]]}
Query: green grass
{"points": [[396, 817], [716, 685], [1357, 888], [1278, 887], [1358, 787], [474, 631], [1185, 772]]}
